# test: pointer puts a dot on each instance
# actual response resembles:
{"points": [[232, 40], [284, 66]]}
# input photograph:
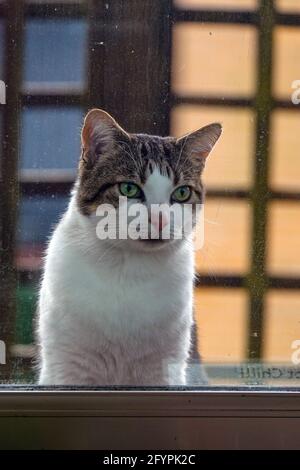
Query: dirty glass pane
{"points": [[159, 69]]}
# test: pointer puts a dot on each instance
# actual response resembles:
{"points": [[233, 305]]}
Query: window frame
{"points": [[149, 419]]}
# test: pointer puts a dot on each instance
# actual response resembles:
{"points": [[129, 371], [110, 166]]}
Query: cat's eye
{"points": [[182, 194], [130, 190]]}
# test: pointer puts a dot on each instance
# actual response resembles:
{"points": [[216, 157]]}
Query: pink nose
{"points": [[159, 221]]}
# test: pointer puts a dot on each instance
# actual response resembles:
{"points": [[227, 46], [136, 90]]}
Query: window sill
{"points": [[35, 418]]}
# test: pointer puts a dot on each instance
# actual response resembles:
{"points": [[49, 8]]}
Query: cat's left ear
{"points": [[200, 143]]}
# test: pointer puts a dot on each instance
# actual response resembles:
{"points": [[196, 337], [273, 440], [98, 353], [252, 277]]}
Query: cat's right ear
{"points": [[99, 135]]}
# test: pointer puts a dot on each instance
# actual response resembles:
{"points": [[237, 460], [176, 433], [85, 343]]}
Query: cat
{"points": [[120, 312]]}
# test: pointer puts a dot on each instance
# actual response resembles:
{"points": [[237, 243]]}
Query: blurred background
{"points": [[163, 67]]}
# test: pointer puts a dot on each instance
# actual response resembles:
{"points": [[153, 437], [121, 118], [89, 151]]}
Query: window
{"points": [[190, 63]]}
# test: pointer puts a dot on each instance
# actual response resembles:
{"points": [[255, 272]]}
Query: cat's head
{"points": [[118, 170]]}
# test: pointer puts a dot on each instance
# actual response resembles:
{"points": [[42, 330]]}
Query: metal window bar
{"points": [[265, 18]]}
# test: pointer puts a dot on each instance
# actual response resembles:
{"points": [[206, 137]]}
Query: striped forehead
{"points": [[158, 187], [153, 152]]}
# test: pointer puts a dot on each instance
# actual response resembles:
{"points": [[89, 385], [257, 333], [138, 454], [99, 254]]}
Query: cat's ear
{"points": [[200, 143], [99, 133]]}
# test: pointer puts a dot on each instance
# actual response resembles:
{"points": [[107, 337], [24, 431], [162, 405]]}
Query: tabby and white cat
{"points": [[120, 312]]}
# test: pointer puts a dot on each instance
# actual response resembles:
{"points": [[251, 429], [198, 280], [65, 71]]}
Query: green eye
{"points": [[181, 194], [129, 190]]}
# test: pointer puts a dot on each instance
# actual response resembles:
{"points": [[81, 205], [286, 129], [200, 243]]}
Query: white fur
{"points": [[111, 314]]}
